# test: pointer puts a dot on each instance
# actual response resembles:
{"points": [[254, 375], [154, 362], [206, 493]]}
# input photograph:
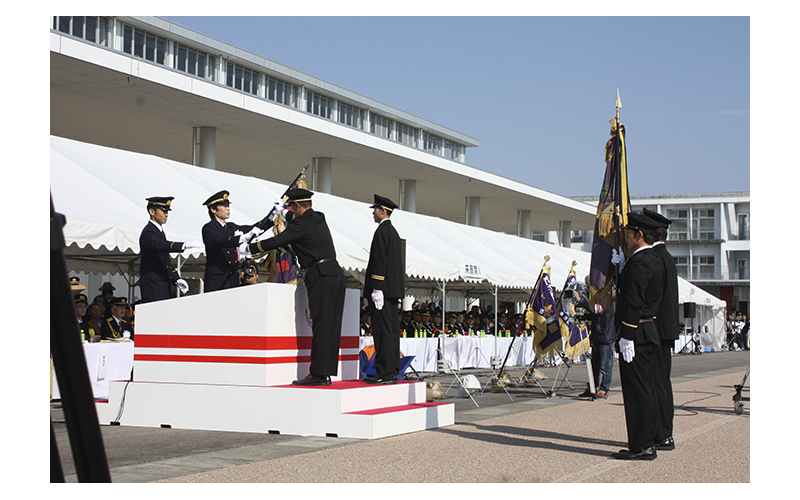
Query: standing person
{"points": [[222, 238], [384, 287], [641, 289], [308, 234], [602, 338], [156, 269], [668, 323]]}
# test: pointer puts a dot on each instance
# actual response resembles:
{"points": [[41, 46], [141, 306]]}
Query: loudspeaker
{"points": [[689, 309]]}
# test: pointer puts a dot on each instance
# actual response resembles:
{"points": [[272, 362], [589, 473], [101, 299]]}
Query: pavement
{"points": [[530, 435]]}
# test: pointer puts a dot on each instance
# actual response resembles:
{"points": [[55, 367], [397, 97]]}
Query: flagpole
{"points": [[618, 189], [530, 301]]}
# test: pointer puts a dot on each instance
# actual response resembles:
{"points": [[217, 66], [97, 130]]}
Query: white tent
{"points": [[102, 193]]}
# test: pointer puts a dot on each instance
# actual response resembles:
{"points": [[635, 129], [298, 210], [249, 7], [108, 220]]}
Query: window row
{"points": [[160, 50]]}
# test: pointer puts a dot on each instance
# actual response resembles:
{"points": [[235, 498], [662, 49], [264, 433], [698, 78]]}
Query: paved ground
{"points": [[527, 437]]}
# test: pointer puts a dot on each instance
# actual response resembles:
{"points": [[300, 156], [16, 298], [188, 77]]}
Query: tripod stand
{"points": [[694, 342]]}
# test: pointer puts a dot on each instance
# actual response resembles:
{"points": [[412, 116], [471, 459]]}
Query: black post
{"points": [[69, 363]]}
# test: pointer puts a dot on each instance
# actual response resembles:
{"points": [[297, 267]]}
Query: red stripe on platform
{"points": [[233, 342], [252, 360], [394, 409]]}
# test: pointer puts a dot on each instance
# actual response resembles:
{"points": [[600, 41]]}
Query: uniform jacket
{"points": [[311, 242], [110, 329], [156, 269], [222, 260], [641, 289], [668, 319], [385, 267]]}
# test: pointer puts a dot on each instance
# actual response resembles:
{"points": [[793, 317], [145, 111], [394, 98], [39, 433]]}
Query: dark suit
{"points": [[222, 260], [668, 322], [641, 289], [156, 269], [311, 242], [385, 272]]}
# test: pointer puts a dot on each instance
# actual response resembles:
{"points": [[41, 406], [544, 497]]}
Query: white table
{"points": [[105, 361]]}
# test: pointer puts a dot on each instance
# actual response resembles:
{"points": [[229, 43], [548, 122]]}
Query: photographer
{"points": [[248, 272]]}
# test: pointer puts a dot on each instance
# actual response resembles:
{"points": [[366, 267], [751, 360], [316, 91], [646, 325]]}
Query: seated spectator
{"points": [[366, 324], [94, 320], [80, 311], [114, 327]]}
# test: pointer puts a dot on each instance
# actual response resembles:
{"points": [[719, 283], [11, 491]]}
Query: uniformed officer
{"points": [[668, 322], [114, 327], [221, 239], [641, 289], [384, 286], [156, 269], [81, 303], [308, 234]]}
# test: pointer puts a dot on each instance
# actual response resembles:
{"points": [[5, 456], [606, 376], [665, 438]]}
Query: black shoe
{"points": [[666, 445], [586, 394], [646, 454], [313, 380], [384, 380]]}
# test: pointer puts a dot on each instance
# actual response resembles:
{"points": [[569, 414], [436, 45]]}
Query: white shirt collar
{"points": [[641, 248], [157, 225], [658, 243]]}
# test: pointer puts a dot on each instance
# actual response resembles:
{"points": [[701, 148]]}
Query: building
{"points": [[709, 238], [147, 85]]}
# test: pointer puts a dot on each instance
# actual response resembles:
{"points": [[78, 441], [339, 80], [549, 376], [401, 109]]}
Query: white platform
{"points": [[225, 361], [350, 409]]}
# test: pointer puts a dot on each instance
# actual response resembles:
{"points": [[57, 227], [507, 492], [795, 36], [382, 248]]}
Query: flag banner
{"points": [[608, 235], [576, 335], [547, 338]]}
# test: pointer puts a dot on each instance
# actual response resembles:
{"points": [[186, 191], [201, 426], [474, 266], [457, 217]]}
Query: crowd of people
{"points": [[737, 328], [107, 317], [426, 320]]}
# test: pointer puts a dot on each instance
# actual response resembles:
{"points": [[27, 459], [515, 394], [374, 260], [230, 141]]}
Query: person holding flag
{"points": [[638, 302]]}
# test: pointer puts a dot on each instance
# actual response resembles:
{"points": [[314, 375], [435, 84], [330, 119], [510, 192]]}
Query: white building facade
{"points": [[709, 238]]}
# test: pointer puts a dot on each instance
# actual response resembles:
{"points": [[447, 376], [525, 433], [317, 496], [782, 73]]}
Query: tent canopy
{"points": [[102, 193]]}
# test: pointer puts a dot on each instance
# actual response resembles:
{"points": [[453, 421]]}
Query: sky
{"points": [[538, 92]]}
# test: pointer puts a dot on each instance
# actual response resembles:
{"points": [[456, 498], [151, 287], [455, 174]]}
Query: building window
{"points": [[319, 105], [744, 226], [380, 126], [431, 144], [350, 115], [703, 224], [406, 134], [281, 92], [679, 228], [703, 267], [682, 265], [91, 28]]}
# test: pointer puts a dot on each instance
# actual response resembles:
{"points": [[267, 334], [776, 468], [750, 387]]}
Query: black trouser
{"points": [[663, 384], [386, 335], [326, 305], [638, 393]]}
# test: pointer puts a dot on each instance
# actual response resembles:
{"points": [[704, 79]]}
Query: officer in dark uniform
{"points": [[668, 322], [384, 286], [114, 327], [156, 269], [81, 303], [308, 234], [221, 239], [641, 289]]}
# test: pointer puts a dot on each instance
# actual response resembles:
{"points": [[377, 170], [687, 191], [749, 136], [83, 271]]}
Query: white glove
{"points": [[193, 244], [277, 209], [377, 299], [253, 233], [183, 286], [626, 350], [244, 249], [618, 258]]}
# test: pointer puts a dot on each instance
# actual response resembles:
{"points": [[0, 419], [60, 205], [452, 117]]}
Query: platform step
{"points": [[345, 409]]}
